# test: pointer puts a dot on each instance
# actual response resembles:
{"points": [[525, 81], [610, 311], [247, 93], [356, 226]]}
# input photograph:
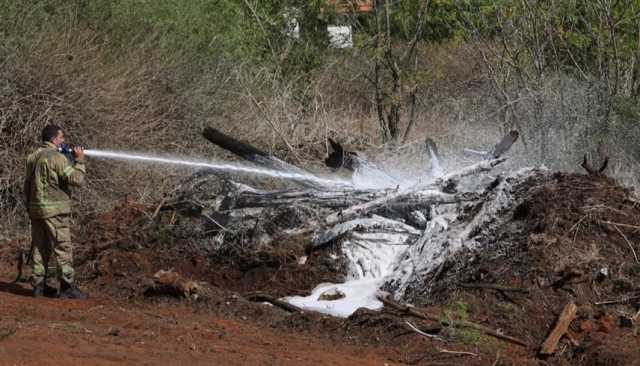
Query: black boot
{"points": [[38, 289], [71, 291]]}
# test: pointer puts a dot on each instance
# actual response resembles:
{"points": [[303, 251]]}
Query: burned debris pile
{"points": [[242, 209], [414, 224], [516, 247], [545, 261]]}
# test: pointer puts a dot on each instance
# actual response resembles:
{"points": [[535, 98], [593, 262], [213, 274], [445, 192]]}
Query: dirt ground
{"points": [[116, 330], [104, 331], [555, 248], [121, 324]]}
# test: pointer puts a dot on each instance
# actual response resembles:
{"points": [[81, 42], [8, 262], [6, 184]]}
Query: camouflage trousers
{"points": [[52, 235]]}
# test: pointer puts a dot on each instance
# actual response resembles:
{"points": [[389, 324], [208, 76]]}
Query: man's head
{"points": [[53, 134]]}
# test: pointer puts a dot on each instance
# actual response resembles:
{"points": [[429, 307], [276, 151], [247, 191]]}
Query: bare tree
{"points": [[393, 64]]}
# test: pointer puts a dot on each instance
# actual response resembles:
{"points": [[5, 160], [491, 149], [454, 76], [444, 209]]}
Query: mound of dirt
{"points": [[121, 250], [572, 239]]}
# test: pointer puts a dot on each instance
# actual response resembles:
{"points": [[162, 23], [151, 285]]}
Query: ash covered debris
{"points": [[497, 241], [463, 227], [380, 226]]}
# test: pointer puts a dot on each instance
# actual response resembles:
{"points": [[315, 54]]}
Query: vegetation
{"points": [[149, 74]]}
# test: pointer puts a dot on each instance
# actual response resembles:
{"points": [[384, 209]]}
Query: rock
{"points": [[607, 323], [331, 295], [625, 322], [586, 326], [602, 274], [6, 332], [171, 283]]}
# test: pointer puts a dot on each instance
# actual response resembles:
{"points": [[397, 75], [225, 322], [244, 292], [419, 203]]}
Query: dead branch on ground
{"points": [[259, 297], [618, 301], [561, 327], [494, 286], [458, 323]]}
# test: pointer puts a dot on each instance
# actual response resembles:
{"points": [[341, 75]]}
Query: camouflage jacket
{"points": [[47, 183]]}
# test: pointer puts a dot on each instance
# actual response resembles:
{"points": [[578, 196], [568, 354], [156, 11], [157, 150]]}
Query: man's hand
{"points": [[78, 153]]}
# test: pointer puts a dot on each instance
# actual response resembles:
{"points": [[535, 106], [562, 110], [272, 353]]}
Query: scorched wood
{"points": [[259, 157]]}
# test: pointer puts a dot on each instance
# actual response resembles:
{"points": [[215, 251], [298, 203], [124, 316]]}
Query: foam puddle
{"points": [[371, 258], [358, 294]]}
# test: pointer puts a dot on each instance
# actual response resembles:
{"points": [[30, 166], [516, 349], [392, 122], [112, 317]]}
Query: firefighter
{"points": [[48, 180]]}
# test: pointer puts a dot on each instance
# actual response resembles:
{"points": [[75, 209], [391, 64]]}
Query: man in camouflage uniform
{"points": [[47, 184]]}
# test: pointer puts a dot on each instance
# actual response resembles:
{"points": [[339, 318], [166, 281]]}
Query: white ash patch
{"points": [[448, 232]]}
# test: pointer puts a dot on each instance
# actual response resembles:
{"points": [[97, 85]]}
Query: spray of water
{"points": [[329, 182], [436, 168]]}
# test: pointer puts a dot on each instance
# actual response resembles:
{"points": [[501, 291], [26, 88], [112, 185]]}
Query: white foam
{"points": [[371, 257], [358, 294]]}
